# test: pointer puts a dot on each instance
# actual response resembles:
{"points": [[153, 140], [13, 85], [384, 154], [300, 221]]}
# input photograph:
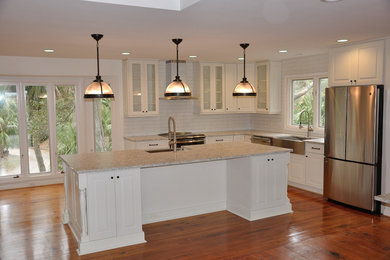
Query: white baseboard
{"points": [[151, 217], [306, 187], [251, 215], [110, 243], [30, 181], [386, 210]]}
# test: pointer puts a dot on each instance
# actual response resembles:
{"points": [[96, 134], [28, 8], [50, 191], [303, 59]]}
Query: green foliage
{"points": [[303, 100], [106, 121], [8, 116]]}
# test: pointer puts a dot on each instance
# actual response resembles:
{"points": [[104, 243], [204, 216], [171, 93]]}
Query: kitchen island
{"points": [[110, 195]]}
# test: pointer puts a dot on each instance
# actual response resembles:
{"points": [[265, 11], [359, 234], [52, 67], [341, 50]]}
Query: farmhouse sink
{"points": [[296, 143]]}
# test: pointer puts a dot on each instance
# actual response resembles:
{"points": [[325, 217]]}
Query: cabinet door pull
{"points": [[219, 140], [316, 148], [153, 144]]}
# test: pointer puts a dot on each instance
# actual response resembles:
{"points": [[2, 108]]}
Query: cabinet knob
{"points": [[272, 159], [350, 81], [267, 159], [112, 177], [117, 177]]}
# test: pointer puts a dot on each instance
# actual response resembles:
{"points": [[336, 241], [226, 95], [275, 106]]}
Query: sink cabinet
{"points": [[360, 64], [307, 171]]}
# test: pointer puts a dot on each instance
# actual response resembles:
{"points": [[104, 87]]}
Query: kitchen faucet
{"points": [[309, 127], [174, 141]]}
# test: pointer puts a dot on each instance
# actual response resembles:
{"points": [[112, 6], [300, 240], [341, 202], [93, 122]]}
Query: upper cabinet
{"points": [[141, 84], [268, 87], [357, 64], [233, 75], [212, 85]]}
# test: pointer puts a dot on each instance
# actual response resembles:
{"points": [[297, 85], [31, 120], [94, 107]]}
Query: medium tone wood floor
{"points": [[31, 228]]}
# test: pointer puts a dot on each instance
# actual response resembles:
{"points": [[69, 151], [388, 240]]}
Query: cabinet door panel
{"points": [[342, 66], [206, 80], [218, 87], [128, 209], [151, 87], [370, 63], [315, 170], [101, 205], [296, 169]]}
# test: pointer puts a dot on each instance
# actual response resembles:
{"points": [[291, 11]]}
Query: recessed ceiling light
{"points": [[330, 1], [193, 56], [125, 53], [241, 58], [282, 51], [48, 50], [342, 40]]}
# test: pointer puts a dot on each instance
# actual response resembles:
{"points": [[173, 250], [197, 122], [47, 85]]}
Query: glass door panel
{"points": [[151, 78], [65, 121], [9, 132], [218, 87], [136, 73], [37, 129], [102, 118], [262, 86], [206, 88]]}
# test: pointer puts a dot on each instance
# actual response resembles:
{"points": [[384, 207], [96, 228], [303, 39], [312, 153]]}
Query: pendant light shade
{"points": [[244, 88], [98, 88], [177, 87]]}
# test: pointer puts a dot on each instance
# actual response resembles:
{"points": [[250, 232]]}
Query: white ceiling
{"points": [[211, 29]]}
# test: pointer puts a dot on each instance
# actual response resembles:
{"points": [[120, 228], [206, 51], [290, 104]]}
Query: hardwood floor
{"points": [[31, 228]]}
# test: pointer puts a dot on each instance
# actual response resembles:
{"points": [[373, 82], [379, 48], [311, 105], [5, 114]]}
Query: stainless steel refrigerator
{"points": [[353, 145]]}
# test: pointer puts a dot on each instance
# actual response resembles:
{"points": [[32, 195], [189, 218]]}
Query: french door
{"points": [[37, 124]]}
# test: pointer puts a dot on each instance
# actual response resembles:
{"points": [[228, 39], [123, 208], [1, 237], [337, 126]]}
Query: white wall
{"points": [[111, 71], [386, 129], [290, 67]]}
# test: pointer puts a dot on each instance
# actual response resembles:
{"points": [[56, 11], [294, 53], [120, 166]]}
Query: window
{"points": [[306, 93]]}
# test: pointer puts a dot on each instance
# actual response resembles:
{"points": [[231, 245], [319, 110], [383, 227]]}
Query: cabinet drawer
{"points": [[219, 139], [314, 148], [152, 145]]}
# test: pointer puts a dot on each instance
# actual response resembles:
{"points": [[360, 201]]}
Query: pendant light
{"points": [[177, 88], [98, 88], [244, 88]]}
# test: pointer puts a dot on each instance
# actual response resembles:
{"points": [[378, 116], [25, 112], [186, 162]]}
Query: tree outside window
{"points": [[307, 94]]}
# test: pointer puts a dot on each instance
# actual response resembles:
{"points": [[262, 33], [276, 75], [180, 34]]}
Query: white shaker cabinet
{"points": [[103, 208], [140, 79], [255, 193], [233, 75], [113, 204], [307, 171], [269, 85], [212, 85], [360, 64], [147, 145]]}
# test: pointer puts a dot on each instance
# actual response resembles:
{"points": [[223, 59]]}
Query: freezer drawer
{"points": [[350, 183]]}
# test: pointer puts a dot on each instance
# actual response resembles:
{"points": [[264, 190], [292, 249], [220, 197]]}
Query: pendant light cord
{"points": [[97, 55], [244, 66], [177, 61]]}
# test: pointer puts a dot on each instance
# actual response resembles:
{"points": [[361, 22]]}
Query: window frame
{"points": [[315, 120]]}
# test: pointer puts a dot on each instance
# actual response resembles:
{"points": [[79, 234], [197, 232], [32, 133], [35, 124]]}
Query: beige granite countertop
{"points": [[137, 158], [383, 198]]}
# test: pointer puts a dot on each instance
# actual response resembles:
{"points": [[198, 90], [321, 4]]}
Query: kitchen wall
{"points": [[290, 67], [185, 112]]}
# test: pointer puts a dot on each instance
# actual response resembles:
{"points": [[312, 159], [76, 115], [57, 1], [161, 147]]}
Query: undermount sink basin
{"points": [[296, 143]]}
